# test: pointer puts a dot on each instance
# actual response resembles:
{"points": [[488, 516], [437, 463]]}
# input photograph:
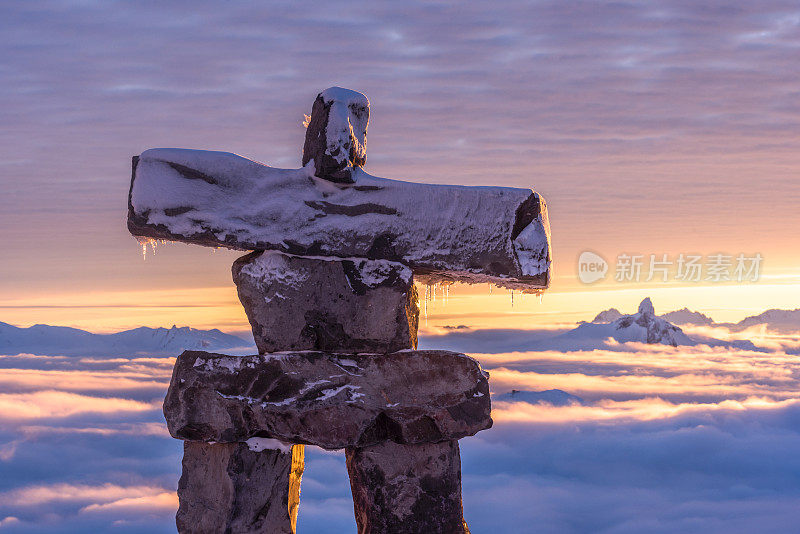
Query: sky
{"points": [[661, 127], [650, 127]]}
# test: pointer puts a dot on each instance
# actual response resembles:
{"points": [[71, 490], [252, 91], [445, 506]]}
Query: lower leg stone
{"points": [[227, 487], [407, 489]]}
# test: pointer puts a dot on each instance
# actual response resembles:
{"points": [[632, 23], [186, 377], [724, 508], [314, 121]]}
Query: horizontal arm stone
{"points": [[333, 401], [472, 234]]}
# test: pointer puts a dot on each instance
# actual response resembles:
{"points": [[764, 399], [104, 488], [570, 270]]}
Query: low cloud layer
{"points": [[690, 439]]}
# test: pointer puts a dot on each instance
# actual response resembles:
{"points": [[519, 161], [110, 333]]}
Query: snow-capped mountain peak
{"points": [[645, 327], [687, 316], [607, 316], [646, 307]]}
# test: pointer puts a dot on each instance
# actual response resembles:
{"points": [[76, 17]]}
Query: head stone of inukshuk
{"points": [[336, 138], [329, 291]]}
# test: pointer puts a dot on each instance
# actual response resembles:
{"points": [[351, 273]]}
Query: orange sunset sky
{"points": [[644, 138]]}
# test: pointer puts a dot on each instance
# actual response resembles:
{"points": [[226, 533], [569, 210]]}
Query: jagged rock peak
{"points": [[645, 326]]}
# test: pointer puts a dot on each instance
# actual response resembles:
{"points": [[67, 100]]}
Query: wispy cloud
{"points": [[51, 403], [80, 493]]}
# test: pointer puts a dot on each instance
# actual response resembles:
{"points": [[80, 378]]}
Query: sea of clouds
{"points": [[687, 439]]}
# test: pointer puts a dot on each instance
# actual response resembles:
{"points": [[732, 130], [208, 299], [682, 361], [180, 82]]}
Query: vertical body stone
{"points": [[299, 303], [357, 305], [407, 489], [238, 488]]}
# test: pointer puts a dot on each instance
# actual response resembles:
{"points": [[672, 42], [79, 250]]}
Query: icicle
{"points": [[144, 241], [512, 298]]}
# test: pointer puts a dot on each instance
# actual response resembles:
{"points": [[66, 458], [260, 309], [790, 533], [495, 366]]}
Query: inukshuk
{"points": [[329, 292]]}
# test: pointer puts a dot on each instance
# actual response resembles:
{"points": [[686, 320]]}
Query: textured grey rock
{"points": [[333, 401], [227, 487], [473, 234], [407, 489], [298, 303], [336, 137]]}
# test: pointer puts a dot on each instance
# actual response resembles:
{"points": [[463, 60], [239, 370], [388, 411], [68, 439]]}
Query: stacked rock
{"points": [[337, 337], [338, 370]]}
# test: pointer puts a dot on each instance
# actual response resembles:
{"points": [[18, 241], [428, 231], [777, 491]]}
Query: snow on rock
{"points": [[348, 119], [305, 397], [272, 267], [456, 232], [343, 305], [263, 444], [230, 364], [373, 273], [336, 134], [532, 246]]}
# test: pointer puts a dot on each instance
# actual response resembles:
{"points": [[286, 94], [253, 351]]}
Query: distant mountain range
{"points": [[554, 397], [782, 321], [61, 340], [644, 326]]}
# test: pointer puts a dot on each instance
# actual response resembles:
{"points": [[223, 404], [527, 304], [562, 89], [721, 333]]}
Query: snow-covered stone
{"points": [[354, 305], [407, 489], [472, 234], [333, 401], [336, 138], [229, 487]]}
